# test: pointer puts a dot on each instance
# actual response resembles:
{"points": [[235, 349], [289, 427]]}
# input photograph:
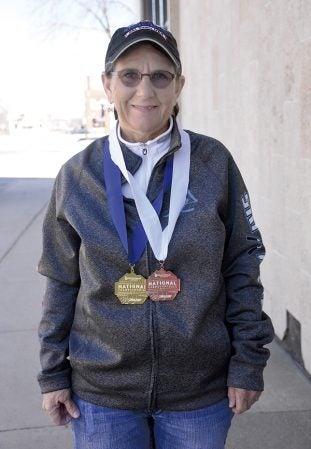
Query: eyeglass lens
{"points": [[159, 78]]}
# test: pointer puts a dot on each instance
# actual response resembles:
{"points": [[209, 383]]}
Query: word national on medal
{"points": [[163, 285], [131, 289]]}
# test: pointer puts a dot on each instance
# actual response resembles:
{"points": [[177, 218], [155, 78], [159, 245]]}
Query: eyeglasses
{"points": [[160, 79]]}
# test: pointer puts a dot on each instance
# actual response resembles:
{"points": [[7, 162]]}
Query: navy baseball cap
{"points": [[144, 31]]}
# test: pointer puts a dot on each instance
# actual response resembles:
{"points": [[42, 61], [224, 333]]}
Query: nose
{"points": [[144, 74], [145, 87]]}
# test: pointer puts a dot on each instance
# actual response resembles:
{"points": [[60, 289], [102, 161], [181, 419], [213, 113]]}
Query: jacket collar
{"points": [[133, 161]]}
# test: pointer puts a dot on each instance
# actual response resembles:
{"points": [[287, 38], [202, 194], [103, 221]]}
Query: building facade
{"points": [[248, 83]]}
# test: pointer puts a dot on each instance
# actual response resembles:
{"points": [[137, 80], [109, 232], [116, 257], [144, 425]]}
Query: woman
{"points": [[152, 329]]}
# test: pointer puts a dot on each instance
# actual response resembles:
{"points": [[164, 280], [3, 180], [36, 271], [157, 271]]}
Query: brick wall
{"points": [[248, 83]]}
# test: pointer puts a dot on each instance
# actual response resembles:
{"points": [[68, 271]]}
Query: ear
{"points": [[179, 85], [106, 80]]}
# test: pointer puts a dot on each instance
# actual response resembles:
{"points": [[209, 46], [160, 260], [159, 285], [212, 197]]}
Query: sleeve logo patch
{"points": [[248, 212]]}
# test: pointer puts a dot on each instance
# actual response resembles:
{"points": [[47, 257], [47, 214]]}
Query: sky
{"points": [[39, 75]]}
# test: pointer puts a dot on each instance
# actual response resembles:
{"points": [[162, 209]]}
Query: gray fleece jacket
{"points": [[175, 355]]}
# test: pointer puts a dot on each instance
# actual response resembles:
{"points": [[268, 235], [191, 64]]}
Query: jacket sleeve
{"points": [[249, 327], [60, 264]]}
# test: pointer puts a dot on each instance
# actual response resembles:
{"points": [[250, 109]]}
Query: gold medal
{"points": [[131, 288], [163, 285]]}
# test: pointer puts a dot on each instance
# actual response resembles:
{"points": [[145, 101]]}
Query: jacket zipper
{"points": [[153, 349], [152, 325]]}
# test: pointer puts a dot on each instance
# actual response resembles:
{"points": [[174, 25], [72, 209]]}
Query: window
{"points": [[155, 10]]}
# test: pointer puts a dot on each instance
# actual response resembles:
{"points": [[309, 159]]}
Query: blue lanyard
{"points": [[134, 244]]}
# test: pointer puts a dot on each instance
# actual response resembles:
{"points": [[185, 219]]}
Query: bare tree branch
{"points": [[103, 23], [73, 15]]}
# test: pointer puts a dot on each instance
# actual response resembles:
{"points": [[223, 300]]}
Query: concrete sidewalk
{"points": [[280, 420]]}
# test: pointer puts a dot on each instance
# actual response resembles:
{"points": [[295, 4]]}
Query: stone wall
{"points": [[248, 83]]}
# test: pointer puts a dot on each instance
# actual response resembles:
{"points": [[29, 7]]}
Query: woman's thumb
{"points": [[72, 409]]}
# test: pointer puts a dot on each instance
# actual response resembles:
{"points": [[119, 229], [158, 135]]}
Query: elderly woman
{"points": [[152, 332]]}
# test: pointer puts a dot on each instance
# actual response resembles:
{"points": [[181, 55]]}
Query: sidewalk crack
{"points": [[21, 234], [28, 428]]}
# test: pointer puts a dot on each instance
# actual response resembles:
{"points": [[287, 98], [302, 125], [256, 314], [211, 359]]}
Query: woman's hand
{"points": [[59, 405], [241, 400]]}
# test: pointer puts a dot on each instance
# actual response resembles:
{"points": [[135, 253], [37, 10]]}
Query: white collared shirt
{"points": [[150, 152]]}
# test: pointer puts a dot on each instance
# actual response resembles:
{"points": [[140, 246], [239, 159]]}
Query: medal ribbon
{"points": [[135, 245], [159, 239]]}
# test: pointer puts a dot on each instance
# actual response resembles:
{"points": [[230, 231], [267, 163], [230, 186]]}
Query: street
{"points": [[37, 153]]}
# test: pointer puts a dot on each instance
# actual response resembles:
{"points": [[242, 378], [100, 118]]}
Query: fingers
{"points": [[59, 415], [72, 409], [241, 400], [231, 396], [60, 406]]}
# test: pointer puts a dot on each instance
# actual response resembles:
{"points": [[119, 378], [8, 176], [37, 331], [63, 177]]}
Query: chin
{"points": [[149, 127]]}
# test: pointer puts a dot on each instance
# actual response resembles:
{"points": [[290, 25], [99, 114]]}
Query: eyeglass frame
{"points": [[118, 72]]}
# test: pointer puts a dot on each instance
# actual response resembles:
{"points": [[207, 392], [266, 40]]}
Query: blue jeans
{"points": [[109, 428]]}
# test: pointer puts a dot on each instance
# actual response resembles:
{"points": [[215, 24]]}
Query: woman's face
{"points": [[144, 110]]}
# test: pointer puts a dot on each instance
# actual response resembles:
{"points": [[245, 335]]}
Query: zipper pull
{"points": [[145, 151]]}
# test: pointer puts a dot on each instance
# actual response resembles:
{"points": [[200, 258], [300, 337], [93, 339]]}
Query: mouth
{"points": [[144, 108]]}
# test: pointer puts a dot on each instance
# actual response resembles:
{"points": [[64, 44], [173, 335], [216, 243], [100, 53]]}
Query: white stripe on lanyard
{"points": [[159, 239]]}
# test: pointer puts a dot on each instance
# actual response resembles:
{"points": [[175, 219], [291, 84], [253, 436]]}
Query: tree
{"points": [[55, 16]]}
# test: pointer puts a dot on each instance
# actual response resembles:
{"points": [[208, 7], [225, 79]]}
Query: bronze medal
{"points": [[131, 288], [163, 285]]}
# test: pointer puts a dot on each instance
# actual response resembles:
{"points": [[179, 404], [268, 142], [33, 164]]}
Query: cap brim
{"points": [[144, 39]]}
